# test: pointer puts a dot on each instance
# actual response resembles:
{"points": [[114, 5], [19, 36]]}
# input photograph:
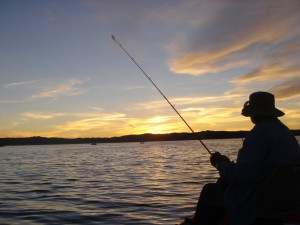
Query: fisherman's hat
{"points": [[261, 104]]}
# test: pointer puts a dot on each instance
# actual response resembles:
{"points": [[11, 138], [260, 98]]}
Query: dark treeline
{"points": [[129, 138]]}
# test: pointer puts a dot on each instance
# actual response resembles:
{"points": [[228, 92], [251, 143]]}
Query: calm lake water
{"points": [[124, 183]]}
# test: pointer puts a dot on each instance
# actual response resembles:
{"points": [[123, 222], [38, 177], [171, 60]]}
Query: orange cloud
{"points": [[200, 63], [273, 71]]}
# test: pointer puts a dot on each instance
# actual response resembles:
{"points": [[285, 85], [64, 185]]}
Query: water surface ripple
{"points": [[125, 183]]}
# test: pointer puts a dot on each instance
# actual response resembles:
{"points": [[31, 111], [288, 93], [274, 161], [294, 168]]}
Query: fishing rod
{"points": [[113, 37]]}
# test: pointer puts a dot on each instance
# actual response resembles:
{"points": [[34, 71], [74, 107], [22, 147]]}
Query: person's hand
{"points": [[216, 158]]}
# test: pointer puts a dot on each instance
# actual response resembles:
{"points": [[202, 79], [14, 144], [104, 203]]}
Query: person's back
{"points": [[280, 144]]}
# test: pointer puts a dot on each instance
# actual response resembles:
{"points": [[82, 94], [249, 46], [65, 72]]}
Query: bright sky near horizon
{"points": [[63, 76]]}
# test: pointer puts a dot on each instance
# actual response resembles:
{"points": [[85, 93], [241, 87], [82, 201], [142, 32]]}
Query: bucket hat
{"points": [[261, 104]]}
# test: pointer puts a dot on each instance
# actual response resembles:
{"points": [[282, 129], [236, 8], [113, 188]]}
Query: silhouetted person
{"points": [[270, 143]]}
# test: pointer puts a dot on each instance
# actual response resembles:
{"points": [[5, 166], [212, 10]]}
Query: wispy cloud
{"points": [[275, 71], [41, 116], [134, 87], [19, 84], [67, 88], [58, 87], [282, 63], [203, 63], [97, 108], [243, 38], [95, 125], [288, 89], [186, 101], [14, 101]]}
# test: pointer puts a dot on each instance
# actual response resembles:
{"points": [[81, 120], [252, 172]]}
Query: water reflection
{"points": [[128, 183]]}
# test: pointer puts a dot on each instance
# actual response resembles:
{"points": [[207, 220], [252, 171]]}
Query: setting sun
{"points": [[158, 129], [157, 119]]}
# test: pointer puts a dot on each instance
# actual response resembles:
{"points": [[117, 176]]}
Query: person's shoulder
{"points": [[271, 128], [268, 127]]}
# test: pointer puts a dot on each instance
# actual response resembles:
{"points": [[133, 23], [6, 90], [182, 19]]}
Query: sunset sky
{"points": [[63, 76]]}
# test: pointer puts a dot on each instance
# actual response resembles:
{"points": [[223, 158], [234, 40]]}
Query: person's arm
{"points": [[249, 163]]}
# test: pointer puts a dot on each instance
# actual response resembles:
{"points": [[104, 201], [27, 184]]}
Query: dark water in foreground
{"points": [[126, 183]]}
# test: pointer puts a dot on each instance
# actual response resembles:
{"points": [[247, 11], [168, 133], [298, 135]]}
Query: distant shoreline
{"points": [[129, 138]]}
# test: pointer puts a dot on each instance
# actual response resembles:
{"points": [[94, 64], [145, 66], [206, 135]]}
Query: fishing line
{"points": [[113, 37]]}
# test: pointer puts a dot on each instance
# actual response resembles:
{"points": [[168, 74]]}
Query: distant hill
{"points": [[129, 138]]}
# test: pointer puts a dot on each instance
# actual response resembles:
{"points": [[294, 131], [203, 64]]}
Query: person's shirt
{"points": [[269, 143]]}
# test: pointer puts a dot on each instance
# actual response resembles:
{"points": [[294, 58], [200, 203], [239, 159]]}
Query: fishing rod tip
{"points": [[113, 37]]}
